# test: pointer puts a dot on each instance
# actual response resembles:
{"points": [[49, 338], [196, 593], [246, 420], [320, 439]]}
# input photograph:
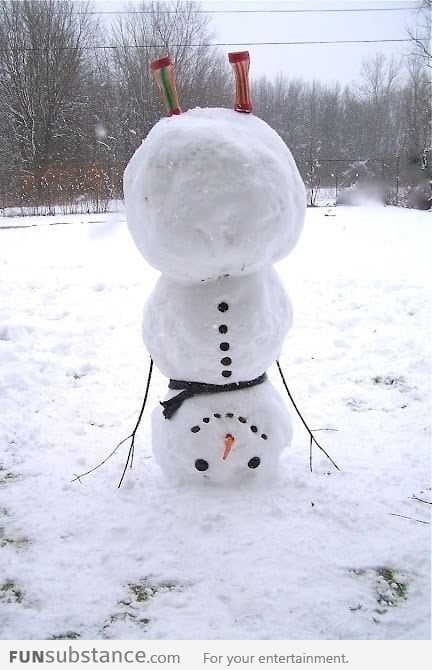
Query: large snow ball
{"points": [[213, 192], [191, 446]]}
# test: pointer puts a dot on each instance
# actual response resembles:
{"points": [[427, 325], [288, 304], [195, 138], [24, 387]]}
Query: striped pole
{"points": [[163, 73], [240, 62]]}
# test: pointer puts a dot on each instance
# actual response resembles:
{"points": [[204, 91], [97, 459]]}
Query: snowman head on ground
{"points": [[213, 192], [224, 438]]}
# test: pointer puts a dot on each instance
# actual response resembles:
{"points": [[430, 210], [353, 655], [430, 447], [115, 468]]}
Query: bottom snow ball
{"points": [[224, 437]]}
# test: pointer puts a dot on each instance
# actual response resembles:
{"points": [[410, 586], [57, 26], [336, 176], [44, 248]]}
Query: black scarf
{"points": [[190, 389]]}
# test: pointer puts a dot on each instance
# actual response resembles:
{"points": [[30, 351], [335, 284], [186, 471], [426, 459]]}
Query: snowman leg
{"points": [[163, 73], [240, 62]]}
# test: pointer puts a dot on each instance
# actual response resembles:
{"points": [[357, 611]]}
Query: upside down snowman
{"points": [[213, 199]]}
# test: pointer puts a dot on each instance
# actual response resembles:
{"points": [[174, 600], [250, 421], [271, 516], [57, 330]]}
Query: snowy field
{"points": [[322, 555]]}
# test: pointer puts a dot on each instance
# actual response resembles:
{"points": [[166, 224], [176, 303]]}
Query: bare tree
{"points": [[71, 115], [416, 110], [379, 89], [152, 30], [379, 77], [42, 54], [421, 33]]}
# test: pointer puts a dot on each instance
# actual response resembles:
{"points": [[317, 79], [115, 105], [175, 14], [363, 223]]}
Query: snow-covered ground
{"points": [[322, 555]]}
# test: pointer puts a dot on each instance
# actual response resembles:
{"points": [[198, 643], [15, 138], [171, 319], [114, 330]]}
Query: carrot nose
{"points": [[228, 443]]}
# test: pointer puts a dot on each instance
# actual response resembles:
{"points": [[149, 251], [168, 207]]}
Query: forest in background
{"points": [[71, 115]]}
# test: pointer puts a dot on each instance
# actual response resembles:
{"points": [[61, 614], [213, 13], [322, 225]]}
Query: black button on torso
{"points": [[224, 346]]}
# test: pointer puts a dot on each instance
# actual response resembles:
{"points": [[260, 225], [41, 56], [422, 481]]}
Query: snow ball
{"points": [[213, 192]]}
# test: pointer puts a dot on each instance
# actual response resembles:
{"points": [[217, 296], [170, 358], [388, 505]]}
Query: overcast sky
{"points": [[335, 62]]}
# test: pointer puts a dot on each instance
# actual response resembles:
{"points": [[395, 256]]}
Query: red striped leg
{"points": [[240, 62], [163, 73]]}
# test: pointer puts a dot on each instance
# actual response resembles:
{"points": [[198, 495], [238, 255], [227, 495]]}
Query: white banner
{"points": [[218, 655]]}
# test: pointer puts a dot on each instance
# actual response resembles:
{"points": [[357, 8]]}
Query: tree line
{"points": [[71, 115]]}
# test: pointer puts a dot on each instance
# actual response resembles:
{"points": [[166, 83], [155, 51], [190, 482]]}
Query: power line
{"points": [[262, 11], [212, 44], [352, 160]]}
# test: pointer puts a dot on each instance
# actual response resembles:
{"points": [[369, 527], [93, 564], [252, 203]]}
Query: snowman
{"points": [[213, 199]]}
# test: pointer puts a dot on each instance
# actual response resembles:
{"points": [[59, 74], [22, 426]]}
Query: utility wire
{"points": [[211, 44], [262, 11]]}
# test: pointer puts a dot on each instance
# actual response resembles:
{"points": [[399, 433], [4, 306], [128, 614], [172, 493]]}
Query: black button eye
{"points": [[254, 462], [202, 465]]}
